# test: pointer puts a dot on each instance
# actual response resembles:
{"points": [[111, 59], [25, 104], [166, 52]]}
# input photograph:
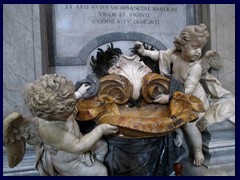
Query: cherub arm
{"points": [[164, 57], [193, 79], [55, 134], [154, 55]]}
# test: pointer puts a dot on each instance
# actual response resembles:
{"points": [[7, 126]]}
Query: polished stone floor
{"points": [[26, 168], [220, 170]]}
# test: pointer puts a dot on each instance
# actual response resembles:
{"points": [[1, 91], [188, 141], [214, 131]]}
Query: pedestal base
{"points": [[219, 144]]}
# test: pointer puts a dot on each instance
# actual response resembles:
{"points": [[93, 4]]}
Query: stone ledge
{"points": [[217, 144]]}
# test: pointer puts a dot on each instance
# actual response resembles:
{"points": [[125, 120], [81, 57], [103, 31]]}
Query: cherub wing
{"points": [[16, 132], [211, 60]]}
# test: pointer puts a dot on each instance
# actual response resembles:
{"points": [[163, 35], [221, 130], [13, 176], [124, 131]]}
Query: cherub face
{"points": [[192, 51]]}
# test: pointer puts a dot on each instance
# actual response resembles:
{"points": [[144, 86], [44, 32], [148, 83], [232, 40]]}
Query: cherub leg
{"points": [[195, 139], [178, 140], [100, 149], [67, 164], [97, 170], [80, 169]]}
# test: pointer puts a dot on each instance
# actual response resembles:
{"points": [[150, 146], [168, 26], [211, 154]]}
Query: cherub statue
{"points": [[61, 149], [185, 65]]}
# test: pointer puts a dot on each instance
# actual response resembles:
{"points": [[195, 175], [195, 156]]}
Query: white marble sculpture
{"points": [[190, 69], [133, 69], [61, 149]]}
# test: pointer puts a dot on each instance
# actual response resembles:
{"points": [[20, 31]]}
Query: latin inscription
{"points": [[76, 24], [122, 14]]}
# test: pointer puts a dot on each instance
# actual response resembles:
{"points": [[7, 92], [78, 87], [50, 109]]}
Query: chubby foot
{"points": [[198, 157]]}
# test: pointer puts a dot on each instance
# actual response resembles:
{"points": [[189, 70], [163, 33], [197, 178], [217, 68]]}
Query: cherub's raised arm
{"points": [[154, 55], [56, 135]]}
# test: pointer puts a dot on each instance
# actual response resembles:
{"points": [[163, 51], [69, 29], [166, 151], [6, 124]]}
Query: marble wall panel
{"points": [[21, 53], [222, 18]]}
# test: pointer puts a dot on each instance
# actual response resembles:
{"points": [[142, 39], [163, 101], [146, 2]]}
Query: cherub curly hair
{"points": [[188, 32], [50, 96]]}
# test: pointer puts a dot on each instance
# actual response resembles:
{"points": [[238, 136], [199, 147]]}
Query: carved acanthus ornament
{"points": [[133, 69]]}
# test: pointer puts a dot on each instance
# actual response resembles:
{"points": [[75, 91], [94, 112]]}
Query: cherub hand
{"points": [[178, 141], [108, 129], [139, 47], [162, 99], [82, 90]]}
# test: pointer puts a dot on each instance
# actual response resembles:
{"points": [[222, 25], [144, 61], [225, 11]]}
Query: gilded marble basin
{"points": [[148, 120]]}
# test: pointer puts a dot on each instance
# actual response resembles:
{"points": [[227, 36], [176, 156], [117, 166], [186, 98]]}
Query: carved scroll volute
{"points": [[116, 86], [154, 84]]}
